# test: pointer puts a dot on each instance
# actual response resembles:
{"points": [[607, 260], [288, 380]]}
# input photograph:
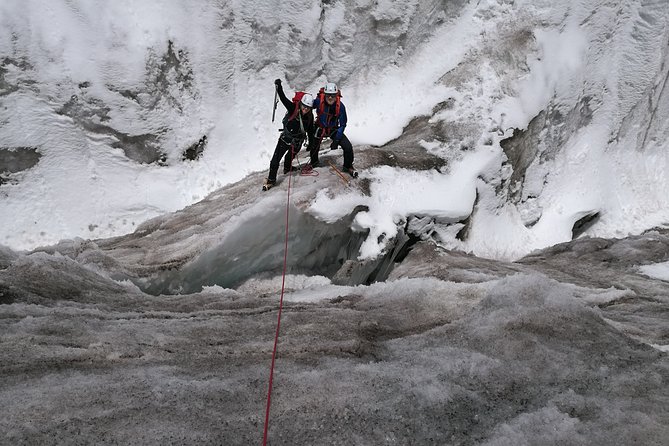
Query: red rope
{"points": [[308, 171], [278, 323], [305, 171]]}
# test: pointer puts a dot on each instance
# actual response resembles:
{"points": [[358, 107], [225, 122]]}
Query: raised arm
{"points": [[284, 100]]}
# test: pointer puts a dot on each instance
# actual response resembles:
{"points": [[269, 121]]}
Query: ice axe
{"points": [[276, 101], [338, 172]]}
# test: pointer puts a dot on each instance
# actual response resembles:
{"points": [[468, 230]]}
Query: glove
{"points": [[334, 144], [277, 82]]}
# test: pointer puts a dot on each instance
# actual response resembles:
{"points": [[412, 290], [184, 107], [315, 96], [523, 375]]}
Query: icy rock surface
{"points": [[6, 256], [565, 346], [546, 121], [518, 360], [237, 233]]}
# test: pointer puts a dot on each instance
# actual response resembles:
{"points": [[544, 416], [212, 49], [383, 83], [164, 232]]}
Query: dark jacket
{"points": [[328, 119], [301, 125]]}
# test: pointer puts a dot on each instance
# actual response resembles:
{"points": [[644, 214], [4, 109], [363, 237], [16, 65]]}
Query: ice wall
{"points": [[568, 100]]}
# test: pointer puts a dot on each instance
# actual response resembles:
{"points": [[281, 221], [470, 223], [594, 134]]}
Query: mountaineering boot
{"points": [[315, 164], [351, 171], [288, 169], [268, 184]]}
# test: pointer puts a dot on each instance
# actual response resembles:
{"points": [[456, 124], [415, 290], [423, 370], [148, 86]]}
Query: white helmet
{"points": [[307, 100], [330, 88]]}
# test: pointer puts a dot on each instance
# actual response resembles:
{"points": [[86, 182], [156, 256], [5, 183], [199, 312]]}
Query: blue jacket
{"points": [[329, 121]]}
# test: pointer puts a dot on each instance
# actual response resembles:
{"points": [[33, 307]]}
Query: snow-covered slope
{"points": [[550, 118]]}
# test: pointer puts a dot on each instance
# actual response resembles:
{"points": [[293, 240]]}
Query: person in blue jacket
{"points": [[331, 123]]}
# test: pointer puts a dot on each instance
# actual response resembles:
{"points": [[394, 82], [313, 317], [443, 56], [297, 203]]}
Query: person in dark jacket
{"points": [[331, 123], [298, 125]]}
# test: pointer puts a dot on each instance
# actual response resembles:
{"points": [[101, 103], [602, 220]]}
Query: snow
{"points": [[397, 193], [452, 348], [656, 271], [559, 58], [84, 188], [662, 348], [400, 93]]}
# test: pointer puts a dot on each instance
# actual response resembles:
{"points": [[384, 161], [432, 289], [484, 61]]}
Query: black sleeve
{"points": [[284, 100]]}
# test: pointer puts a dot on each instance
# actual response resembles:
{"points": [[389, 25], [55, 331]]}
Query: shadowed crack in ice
{"points": [[257, 246]]}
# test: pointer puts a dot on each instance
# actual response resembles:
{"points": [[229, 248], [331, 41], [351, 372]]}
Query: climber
{"points": [[298, 125], [330, 123]]}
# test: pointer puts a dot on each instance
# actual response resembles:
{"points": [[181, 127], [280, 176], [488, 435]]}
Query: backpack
{"points": [[321, 103], [297, 98], [296, 101]]}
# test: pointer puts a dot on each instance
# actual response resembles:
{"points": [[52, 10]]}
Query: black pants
{"points": [[285, 146], [344, 143]]}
